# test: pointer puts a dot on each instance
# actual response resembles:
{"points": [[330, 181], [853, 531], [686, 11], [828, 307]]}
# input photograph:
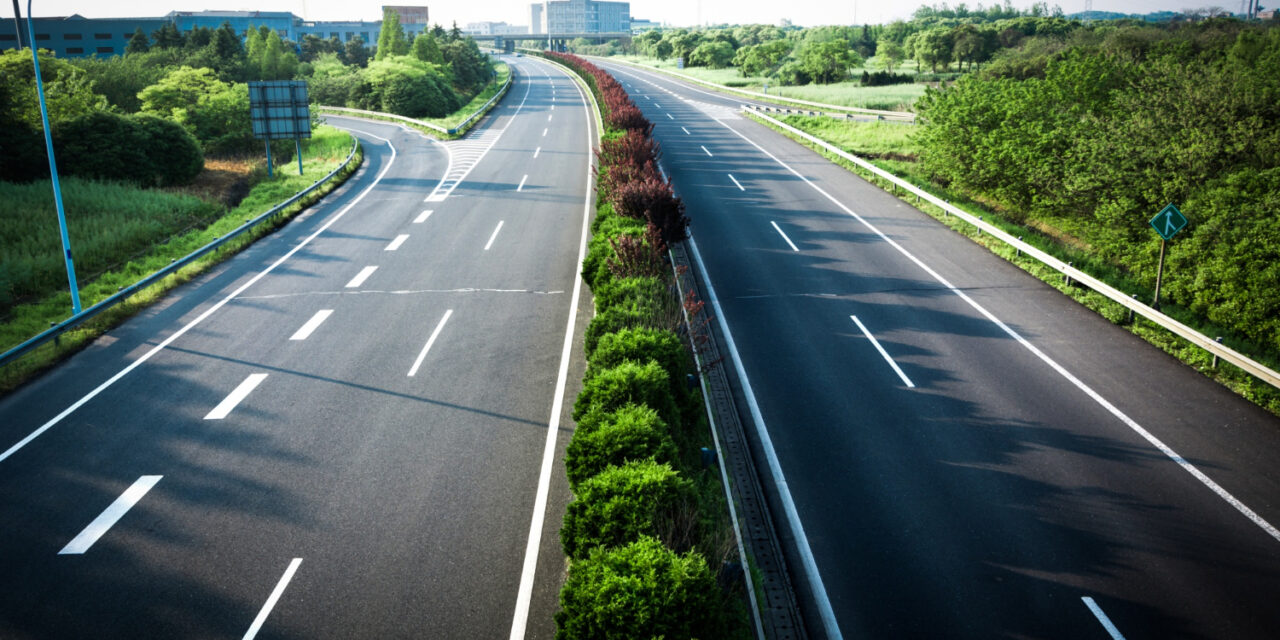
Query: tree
{"points": [[716, 55], [68, 91], [455, 34], [391, 38], [933, 46], [181, 89], [138, 43], [889, 54], [167, 37], [426, 49], [356, 53], [827, 62]]}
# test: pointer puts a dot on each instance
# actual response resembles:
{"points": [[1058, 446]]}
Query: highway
{"points": [[353, 428], [953, 448]]}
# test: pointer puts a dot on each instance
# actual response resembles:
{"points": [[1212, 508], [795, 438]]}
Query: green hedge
{"points": [[631, 433], [607, 226], [636, 291], [620, 504], [641, 344], [608, 390]]}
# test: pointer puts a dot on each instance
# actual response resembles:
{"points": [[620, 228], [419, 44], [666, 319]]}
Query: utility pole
{"points": [[17, 24]]}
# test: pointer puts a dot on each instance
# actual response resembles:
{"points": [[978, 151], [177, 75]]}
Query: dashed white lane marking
{"points": [[422, 217], [548, 117], [271, 601], [110, 516], [395, 244], [686, 131], [237, 396], [735, 181], [361, 277], [705, 150], [876, 343], [413, 371], [1102, 618], [671, 116], [494, 236], [537, 151], [521, 186], [784, 236], [544, 132], [307, 329]]}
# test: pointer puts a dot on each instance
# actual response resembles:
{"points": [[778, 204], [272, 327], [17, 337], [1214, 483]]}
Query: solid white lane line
{"points": [[1102, 617], [307, 329], [704, 149], [108, 518], [521, 187], [200, 318], [413, 371], [740, 187], [671, 116], [885, 354], [271, 601], [1159, 444], [537, 151], [395, 244], [823, 602], [784, 236], [237, 396], [361, 277], [544, 133], [686, 131], [422, 217], [494, 236], [520, 617]]}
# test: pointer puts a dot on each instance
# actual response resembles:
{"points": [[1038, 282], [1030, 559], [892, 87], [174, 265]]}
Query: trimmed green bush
{"points": [[607, 226], [629, 434], [611, 389], [641, 344], [641, 590], [620, 504], [617, 318]]}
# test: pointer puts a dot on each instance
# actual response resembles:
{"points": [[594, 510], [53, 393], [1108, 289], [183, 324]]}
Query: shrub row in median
{"points": [[642, 532]]}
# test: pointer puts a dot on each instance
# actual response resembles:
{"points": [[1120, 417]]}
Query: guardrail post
{"points": [[979, 228], [1066, 279], [1215, 356], [1135, 299], [1018, 250]]}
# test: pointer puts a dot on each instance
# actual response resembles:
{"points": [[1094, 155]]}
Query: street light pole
{"points": [[17, 23], [53, 169]]}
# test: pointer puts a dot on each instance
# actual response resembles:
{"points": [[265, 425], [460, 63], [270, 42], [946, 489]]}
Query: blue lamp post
{"points": [[53, 169]]}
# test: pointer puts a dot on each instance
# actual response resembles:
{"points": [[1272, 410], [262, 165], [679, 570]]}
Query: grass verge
{"points": [[870, 140], [324, 152]]}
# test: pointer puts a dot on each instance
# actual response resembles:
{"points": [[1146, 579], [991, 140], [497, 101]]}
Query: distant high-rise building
{"points": [[580, 16], [408, 15]]}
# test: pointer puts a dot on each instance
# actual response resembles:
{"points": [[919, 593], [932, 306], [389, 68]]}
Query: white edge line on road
{"points": [[422, 217], [1102, 617], [395, 244], [775, 468], [110, 516], [422, 355], [200, 318], [236, 396], [271, 601], [521, 186], [307, 329], [784, 236], [520, 618], [361, 277], [494, 236], [742, 188], [537, 151], [876, 343], [704, 149], [686, 131], [1062, 371]]}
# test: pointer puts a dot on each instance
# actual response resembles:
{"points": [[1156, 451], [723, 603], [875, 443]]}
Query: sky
{"points": [[673, 12]]}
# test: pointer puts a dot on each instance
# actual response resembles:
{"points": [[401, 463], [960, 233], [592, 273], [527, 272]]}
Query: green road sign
{"points": [[1168, 222]]}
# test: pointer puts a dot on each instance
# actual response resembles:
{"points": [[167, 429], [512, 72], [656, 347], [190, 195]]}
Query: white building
{"points": [[493, 29], [580, 16]]}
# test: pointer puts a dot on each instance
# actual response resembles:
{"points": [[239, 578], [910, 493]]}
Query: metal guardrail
{"points": [[888, 115], [120, 296], [1191, 335], [462, 126]]}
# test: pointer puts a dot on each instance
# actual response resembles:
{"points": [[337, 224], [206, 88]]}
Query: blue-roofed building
{"points": [[77, 36]]}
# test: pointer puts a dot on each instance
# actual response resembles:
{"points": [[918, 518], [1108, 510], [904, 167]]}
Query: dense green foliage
{"points": [[626, 434], [1095, 133], [641, 590], [628, 383], [142, 149], [620, 504]]}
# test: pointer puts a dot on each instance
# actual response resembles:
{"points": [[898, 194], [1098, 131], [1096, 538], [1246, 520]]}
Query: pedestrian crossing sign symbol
{"points": [[1168, 222]]}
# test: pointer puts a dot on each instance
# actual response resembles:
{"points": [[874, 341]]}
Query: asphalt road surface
{"points": [[348, 430], [966, 452]]}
